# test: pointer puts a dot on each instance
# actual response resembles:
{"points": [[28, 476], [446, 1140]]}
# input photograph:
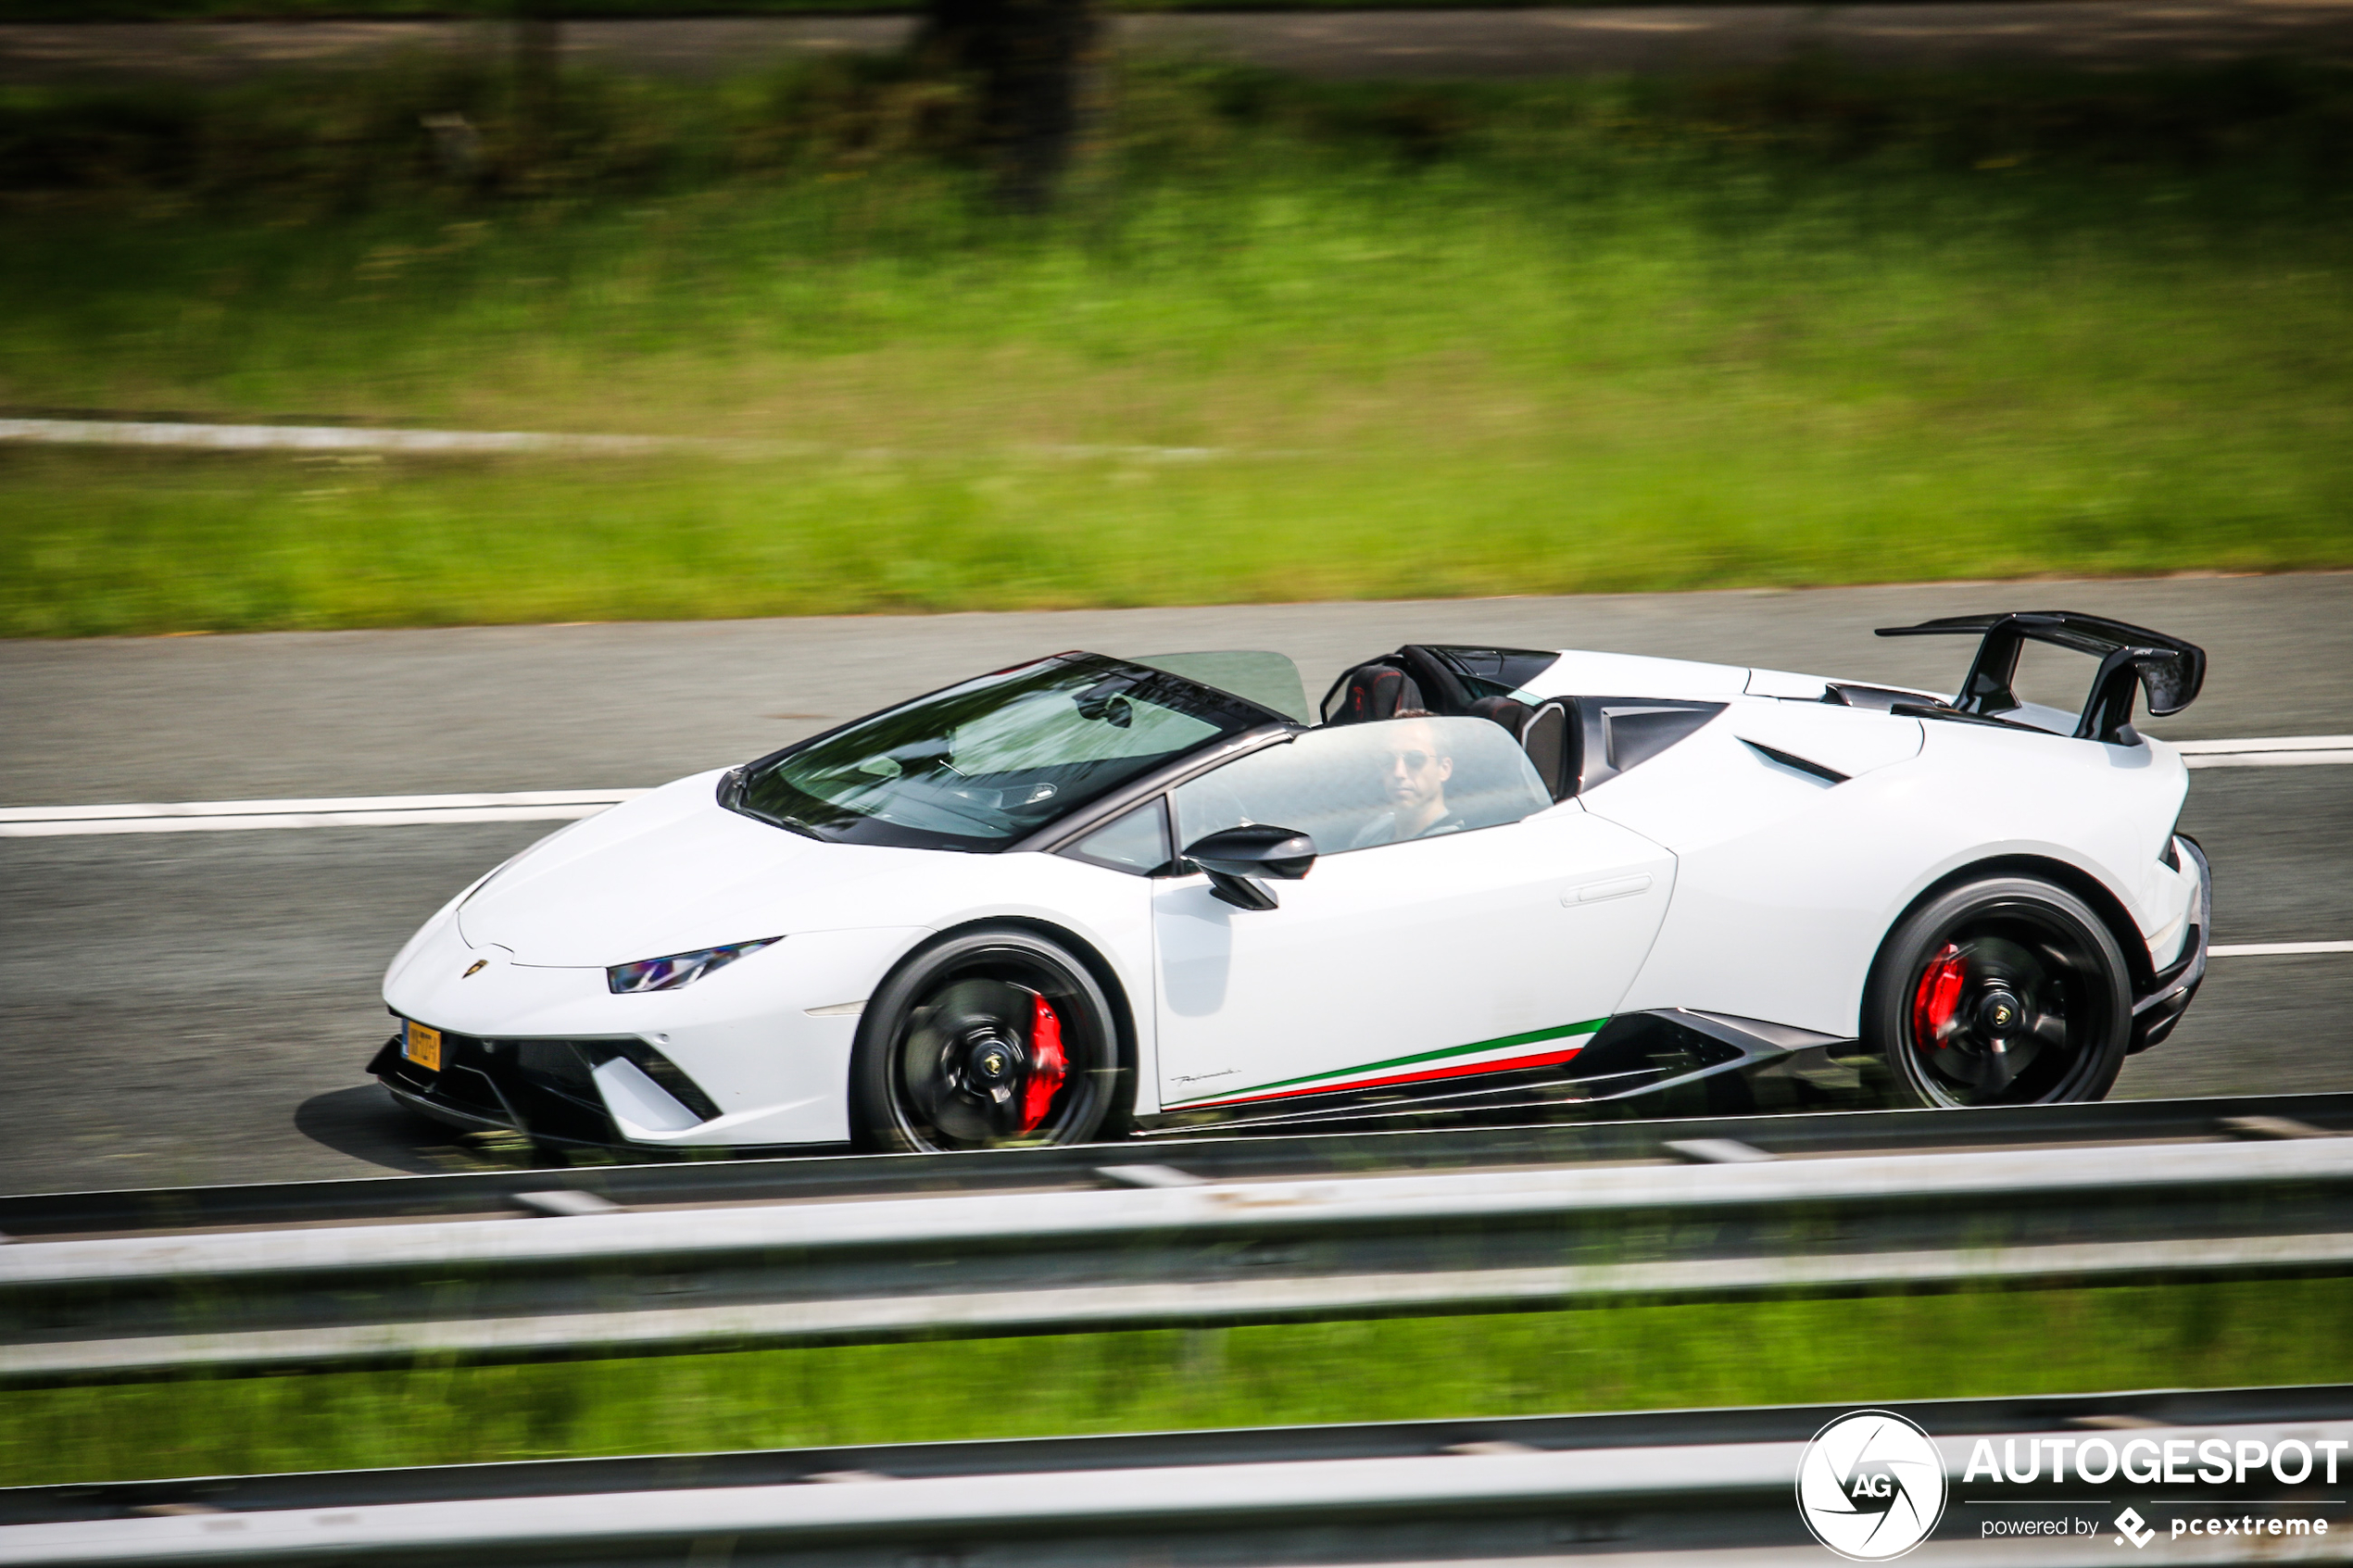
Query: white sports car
{"points": [[1088, 897]]}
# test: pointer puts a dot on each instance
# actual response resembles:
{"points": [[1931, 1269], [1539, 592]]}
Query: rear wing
{"points": [[2168, 669]]}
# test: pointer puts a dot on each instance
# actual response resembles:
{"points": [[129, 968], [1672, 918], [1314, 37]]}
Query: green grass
{"points": [[1788, 330], [1848, 1353]]}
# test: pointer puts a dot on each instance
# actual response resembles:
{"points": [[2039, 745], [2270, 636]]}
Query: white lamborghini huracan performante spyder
{"points": [[1087, 897]]}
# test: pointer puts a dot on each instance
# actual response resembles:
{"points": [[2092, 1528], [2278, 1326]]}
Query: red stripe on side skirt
{"points": [[1544, 1059]]}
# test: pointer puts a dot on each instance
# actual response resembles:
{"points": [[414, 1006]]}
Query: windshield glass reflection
{"points": [[983, 763]]}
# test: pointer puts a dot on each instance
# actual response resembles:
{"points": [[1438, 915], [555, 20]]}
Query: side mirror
{"points": [[1234, 857]]}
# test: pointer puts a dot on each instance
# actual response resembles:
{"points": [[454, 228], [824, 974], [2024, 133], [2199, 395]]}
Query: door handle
{"points": [[1617, 887]]}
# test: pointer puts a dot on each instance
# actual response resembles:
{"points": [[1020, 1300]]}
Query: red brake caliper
{"points": [[1938, 997], [1048, 1066]]}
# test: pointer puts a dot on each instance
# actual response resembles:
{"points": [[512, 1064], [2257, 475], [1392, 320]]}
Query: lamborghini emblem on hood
{"points": [[475, 967]]}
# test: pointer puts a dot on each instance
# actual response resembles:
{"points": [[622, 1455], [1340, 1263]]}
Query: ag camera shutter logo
{"points": [[1871, 1486]]}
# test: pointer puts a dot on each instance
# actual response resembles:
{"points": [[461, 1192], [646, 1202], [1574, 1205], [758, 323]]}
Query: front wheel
{"points": [[996, 1038], [2006, 991]]}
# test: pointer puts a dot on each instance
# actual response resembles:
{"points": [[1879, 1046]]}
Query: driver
{"points": [[1416, 766]]}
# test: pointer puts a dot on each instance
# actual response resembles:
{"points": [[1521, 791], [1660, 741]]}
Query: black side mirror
{"points": [[1235, 857]]}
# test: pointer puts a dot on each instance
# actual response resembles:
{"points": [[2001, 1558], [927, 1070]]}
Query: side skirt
{"points": [[1666, 1062]]}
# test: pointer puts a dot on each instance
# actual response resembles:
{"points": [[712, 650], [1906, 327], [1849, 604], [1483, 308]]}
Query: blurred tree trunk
{"points": [[1027, 61], [538, 39]]}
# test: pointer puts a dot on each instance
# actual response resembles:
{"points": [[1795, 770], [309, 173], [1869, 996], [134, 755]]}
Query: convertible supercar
{"points": [[1088, 897]]}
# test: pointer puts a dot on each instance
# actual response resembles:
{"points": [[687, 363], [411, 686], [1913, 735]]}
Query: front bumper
{"points": [[2170, 993], [547, 1090], [756, 1055]]}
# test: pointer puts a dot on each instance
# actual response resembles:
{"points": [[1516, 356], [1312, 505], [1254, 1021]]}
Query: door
{"points": [[1448, 927]]}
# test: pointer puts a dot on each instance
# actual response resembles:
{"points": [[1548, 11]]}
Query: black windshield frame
{"points": [[760, 790]]}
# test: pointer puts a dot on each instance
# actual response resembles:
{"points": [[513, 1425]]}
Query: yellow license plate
{"points": [[423, 1046]]}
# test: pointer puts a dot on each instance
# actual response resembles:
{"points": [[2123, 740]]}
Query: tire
{"points": [[957, 1049], [2008, 990]]}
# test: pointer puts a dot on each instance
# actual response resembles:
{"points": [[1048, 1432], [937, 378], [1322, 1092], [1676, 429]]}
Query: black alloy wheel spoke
{"points": [[1998, 1072], [992, 1038], [2006, 990], [967, 1061], [919, 1062], [1966, 1067], [2047, 1027], [2010, 1038], [969, 1046]]}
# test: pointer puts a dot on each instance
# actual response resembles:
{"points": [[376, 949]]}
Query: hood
{"points": [[669, 873]]}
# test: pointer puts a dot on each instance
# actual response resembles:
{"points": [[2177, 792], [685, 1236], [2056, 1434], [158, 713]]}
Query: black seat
{"points": [[1372, 692], [1507, 711], [1396, 683], [1554, 741]]}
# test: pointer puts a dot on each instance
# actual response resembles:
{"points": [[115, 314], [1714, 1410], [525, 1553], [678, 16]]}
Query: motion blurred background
{"points": [[1026, 306], [1209, 331]]}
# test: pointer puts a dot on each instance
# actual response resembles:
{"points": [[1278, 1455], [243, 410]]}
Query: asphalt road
{"points": [[187, 1007], [1334, 45]]}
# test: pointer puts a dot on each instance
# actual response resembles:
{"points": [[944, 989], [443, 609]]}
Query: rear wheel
{"points": [[2006, 991], [996, 1038]]}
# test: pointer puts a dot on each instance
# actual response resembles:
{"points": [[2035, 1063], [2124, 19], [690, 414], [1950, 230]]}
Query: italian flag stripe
{"points": [[1376, 1074]]}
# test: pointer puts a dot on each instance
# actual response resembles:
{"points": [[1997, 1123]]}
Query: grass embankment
{"points": [[1783, 330], [1855, 1352]]}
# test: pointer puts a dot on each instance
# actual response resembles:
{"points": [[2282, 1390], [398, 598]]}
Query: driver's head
{"points": [[1417, 767]]}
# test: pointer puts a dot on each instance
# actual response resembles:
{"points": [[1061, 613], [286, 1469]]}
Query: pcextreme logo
{"points": [[1871, 1486]]}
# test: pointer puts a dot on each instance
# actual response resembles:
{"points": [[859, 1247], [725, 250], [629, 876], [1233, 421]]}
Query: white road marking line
{"points": [[561, 805], [324, 438], [2274, 949], [2266, 743], [2269, 759], [2274, 751], [354, 438], [291, 820], [370, 811], [526, 806], [329, 803]]}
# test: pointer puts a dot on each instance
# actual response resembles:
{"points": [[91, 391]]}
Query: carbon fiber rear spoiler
{"points": [[2168, 669]]}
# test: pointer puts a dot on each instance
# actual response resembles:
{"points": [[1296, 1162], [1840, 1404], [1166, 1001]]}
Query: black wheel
{"points": [[2008, 991], [994, 1037]]}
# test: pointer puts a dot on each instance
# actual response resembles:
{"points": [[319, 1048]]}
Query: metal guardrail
{"points": [[1654, 1488], [29, 1216], [1174, 1251]]}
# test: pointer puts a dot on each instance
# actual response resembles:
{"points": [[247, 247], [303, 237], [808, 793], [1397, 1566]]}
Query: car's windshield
{"points": [[981, 764]]}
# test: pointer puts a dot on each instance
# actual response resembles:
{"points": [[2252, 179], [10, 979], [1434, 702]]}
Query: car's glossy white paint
{"points": [[1456, 943], [1710, 876], [1787, 884], [1578, 673]]}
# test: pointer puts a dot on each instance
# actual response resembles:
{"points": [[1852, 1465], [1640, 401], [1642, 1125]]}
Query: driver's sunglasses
{"points": [[1414, 760]]}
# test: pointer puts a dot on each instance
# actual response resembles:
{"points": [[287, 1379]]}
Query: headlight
{"points": [[679, 968]]}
